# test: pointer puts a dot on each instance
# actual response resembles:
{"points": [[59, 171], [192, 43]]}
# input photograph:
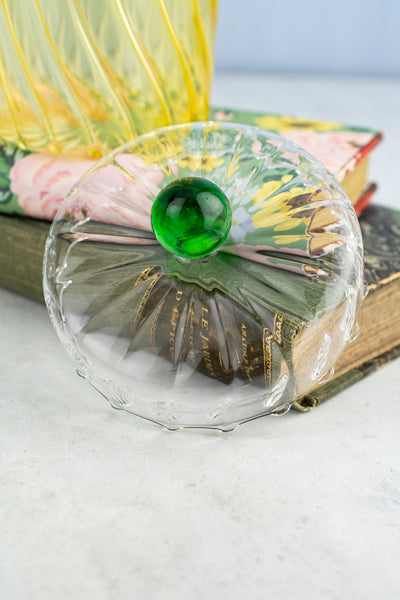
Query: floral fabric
{"points": [[35, 185]]}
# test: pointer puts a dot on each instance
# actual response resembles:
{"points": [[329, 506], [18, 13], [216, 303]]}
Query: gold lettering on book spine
{"points": [[267, 355], [174, 324], [142, 277], [191, 335], [205, 341], [267, 346], [278, 322], [246, 363]]}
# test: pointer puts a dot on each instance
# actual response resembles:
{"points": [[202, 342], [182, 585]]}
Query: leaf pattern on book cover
{"points": [[9, 155]]}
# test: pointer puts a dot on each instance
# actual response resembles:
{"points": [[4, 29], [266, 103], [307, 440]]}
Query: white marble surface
{"points": [[96, 503]]}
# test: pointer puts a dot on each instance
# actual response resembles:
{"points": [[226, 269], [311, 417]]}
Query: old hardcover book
{"points": [[22, 242], [21, 253], [379, 337], [348, 378], [34, 185]]}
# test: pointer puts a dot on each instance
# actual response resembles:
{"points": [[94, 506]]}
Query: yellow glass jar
{"points": [[80, 77]]}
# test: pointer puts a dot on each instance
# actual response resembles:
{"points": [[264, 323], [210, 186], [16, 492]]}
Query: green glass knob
{"points": [[191, 217]]}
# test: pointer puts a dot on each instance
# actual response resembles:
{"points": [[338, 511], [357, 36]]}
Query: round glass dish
{"points": [[219, 339]]}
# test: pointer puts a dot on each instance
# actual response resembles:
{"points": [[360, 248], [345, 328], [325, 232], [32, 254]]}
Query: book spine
{"points": [[22, 243], [339, 384], [211, 333]]}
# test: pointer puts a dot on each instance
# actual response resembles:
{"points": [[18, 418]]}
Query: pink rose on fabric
{"points": [[119, 196], [334, 148], [41, 182], [110, 194]]}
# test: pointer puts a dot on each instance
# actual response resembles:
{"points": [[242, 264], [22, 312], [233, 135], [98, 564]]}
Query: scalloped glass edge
{"points": [[109, 389]]}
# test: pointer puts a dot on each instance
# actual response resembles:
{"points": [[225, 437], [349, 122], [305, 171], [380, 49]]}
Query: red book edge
{"points": [[358, 156], [365, 197]]}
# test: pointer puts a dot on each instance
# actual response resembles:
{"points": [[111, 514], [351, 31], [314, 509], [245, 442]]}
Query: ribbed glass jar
{"points": [[81, 77]]}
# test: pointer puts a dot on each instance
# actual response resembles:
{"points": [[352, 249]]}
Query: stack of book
{"points": [[33, 186]]}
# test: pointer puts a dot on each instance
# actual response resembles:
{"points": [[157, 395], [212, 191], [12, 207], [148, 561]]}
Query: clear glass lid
{"points": [[205, 274]]}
